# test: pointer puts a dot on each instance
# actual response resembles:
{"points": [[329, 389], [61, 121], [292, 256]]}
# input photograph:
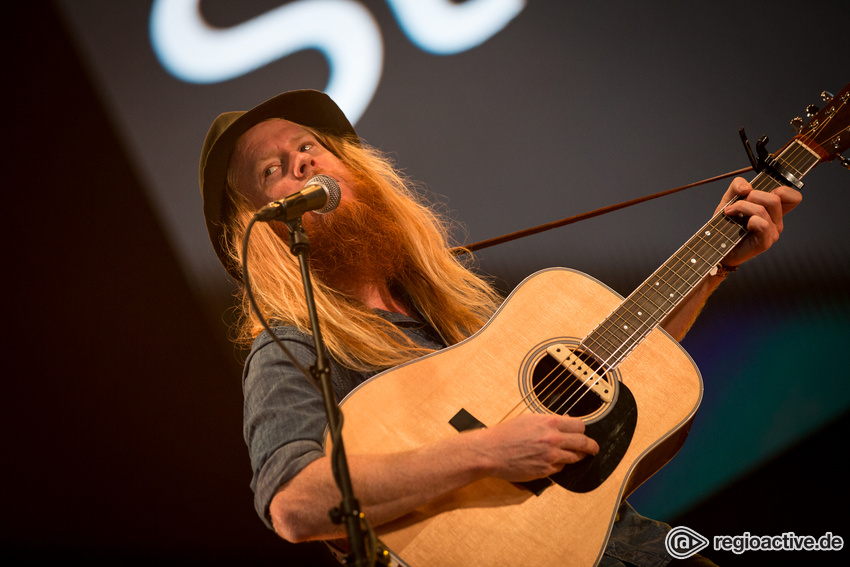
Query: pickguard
{"points": [[613, 433]]}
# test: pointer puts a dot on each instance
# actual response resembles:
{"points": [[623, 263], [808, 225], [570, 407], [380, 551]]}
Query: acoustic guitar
{"points": [[563, 343]]}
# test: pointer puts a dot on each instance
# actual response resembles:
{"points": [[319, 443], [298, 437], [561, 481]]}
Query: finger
{"points": [[592, 447], [571, 457], [761, 226], [568, 424], [739, 188], [772, 203], [766, 205], [578, 443], [790, 198], [763, 232]]}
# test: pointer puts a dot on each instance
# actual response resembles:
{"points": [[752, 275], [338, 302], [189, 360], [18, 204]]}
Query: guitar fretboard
{"points": [[656, 297]]}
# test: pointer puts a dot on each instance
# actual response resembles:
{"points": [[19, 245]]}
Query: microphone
{"points": [[321, 194]]}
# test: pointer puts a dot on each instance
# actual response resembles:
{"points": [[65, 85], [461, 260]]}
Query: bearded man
{"points": [[388, 290]]}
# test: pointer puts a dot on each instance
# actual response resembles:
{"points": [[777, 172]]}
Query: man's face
{"points": [[275, 158], [355, 245]]}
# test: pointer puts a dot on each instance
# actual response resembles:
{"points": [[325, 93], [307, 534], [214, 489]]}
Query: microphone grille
{"points": [[331, 187]]}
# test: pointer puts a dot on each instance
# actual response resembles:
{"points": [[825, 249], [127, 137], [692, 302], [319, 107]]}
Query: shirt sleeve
{"points": [[284, 416]]}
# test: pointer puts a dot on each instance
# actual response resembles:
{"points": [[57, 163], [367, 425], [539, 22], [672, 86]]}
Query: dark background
{"points": [[123, 424]]}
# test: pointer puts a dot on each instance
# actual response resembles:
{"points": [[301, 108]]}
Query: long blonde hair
{"points": [[455, 299]]}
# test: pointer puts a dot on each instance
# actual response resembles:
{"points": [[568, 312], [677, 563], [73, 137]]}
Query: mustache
{"points": [[359, 243]]}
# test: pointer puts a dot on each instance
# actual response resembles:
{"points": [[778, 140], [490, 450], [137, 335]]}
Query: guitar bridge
{"points": [[581, 371]]}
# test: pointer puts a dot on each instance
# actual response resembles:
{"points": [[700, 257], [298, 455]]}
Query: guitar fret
{"points": [[604, 345], [681, 272], [603, 338], [803, 163], [792, 167], [637, 315], [618, 332], [652, 301]]}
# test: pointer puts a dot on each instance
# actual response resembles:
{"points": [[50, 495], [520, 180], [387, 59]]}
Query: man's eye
{"points": [[269, 170], [306, 147]]}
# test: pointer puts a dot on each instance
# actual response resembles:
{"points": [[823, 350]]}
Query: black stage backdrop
{"points": [[123, 423]]}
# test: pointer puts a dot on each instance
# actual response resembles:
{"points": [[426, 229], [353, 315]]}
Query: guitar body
{"points": [[563, 343], [493, 522]]}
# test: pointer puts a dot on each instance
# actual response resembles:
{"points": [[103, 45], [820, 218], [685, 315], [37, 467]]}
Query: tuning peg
{"points": [[797, 125], [811, 110], [836, 143], [826, 96]]}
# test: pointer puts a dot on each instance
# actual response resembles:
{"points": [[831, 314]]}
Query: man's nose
{"points": [[302, 165]]}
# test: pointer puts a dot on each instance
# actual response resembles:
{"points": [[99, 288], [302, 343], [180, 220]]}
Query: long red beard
{"points": [[360, 243]]}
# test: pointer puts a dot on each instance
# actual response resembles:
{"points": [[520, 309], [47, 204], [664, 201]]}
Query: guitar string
{"points": [[641, 331], [795, 149], [764, 183], [629, 340], [593, 344], [552, 389]]}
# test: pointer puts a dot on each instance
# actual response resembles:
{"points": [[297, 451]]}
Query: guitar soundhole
{"points": [[560, 392]]}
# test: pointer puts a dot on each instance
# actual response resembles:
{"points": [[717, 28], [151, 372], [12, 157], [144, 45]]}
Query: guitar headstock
{"points": [[828, 131]]}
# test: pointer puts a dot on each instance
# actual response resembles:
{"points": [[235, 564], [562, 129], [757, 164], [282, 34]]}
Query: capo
{"points": [[767, 163]]}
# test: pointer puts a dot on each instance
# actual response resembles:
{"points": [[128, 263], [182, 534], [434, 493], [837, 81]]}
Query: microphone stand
{"points": [[349, 509]]}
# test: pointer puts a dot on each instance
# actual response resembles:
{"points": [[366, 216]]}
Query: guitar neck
{"points": [[659, 295]]}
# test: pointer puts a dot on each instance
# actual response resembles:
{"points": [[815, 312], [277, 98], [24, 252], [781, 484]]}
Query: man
{"points": [[388, 290]]}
